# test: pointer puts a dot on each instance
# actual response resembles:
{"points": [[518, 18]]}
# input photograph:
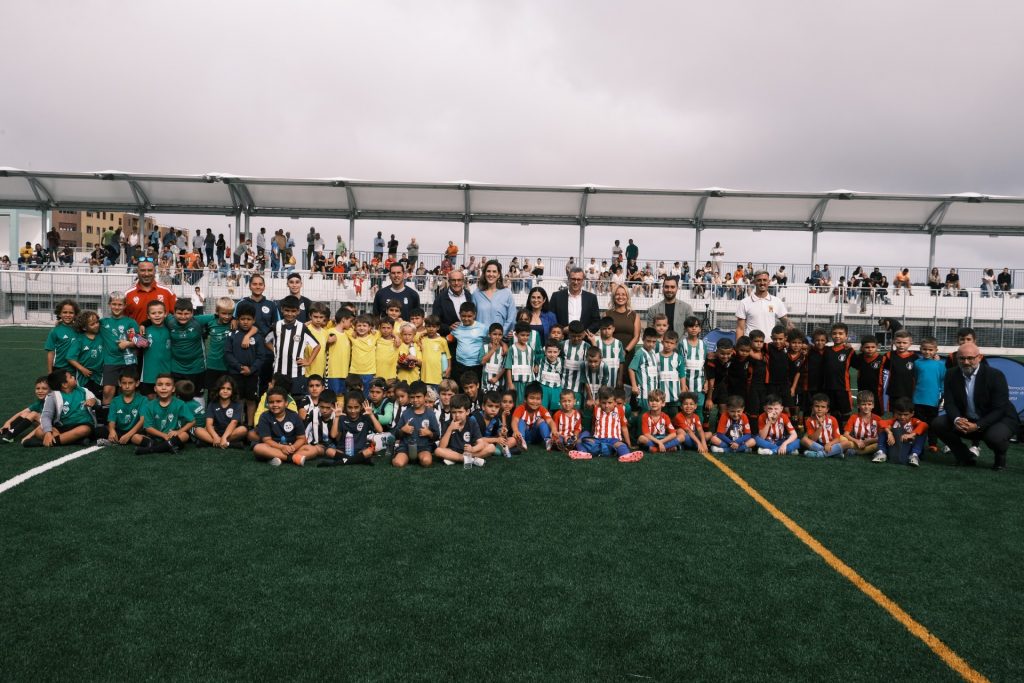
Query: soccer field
{"points": [[209, 565]]}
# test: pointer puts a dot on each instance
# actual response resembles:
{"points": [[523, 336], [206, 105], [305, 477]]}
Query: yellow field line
{"points": [[952, 659]]}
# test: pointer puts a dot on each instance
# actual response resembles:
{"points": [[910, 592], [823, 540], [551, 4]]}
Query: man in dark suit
{"points": [[575, 304], [978, 408], [448, 300]]}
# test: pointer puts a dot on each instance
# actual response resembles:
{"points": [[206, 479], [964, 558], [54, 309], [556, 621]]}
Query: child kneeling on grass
{"points": [[689, 428], [66, 416], [461, 440], [350, 441], [864, 427], [166, 419], [822, 438], [733, 433], [905, 435], [29, 417], [609, 435], [776, 434], [282, 434], [656, 431], [418, 429]]}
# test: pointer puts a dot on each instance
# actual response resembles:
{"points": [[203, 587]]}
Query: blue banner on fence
{"points": [[1014, 372], [711, 340]]}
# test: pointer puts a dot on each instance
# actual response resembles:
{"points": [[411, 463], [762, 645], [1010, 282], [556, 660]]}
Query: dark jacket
{"points": [[445, 309], [590, 314], [991, 397], [235, 356]]}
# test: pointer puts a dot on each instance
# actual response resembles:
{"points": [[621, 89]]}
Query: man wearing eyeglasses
{"points": [[145, 290], [448, 300], [573, 303], [977, 402]]}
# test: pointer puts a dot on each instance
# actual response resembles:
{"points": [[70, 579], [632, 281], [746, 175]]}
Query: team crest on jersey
{"points": [[910, 365], [230, 412], [160, 297], [359, 427], [842, 357], [465, 436], [266, 309], [288, 427], [135, 299]]}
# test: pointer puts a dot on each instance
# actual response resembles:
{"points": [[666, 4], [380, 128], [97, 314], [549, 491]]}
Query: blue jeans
{"points": [[773, 446], [816, 450], [902, 450], [727, 442], [603, 447], [538, 433]]}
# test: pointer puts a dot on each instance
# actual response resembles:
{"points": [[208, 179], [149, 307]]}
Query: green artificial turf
{"points": [[208, 565]]}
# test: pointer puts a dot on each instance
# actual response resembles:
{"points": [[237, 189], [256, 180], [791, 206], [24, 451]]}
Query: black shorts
{"points": [[248, 386], [112, 374]]}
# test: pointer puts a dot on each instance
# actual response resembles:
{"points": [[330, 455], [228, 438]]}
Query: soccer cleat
{"points": [[275, 462], [580, 455], [880, 456], [717, 449], [6, 436], [635, 456], [105, 442], [975, 451], [479, 462], [765, 451], [915, 461]]}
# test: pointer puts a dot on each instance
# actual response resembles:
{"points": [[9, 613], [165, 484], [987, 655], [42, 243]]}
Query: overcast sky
{"points": [[919, 97]]}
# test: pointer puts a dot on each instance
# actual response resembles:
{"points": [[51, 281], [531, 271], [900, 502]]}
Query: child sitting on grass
{"points": [[461, 440], [568, 422], [23, 419], [124, 416], [531, 421], [350, 438], [905, 435], [864, 428], [224, 417], [66, 416], [689, 428], [821, 438], [166, 419], [609, 436], [418, 430], [733, 433], [656, 430], [776, 434], [281, 432]]}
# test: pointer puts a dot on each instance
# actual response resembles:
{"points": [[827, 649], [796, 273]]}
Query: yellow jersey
{"points": [[364, 353], [387, 358], [433, 349], [409, 375], [339, 354]]}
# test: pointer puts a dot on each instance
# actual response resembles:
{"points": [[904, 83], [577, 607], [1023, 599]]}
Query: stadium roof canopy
{"points": [[468, 202]]}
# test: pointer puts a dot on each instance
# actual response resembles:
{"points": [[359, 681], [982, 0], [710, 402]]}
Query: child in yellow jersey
{"points": [[416, 318], [436, 357], [317, 325], [339, 351], [364, 352], [409, 354], [393, 314], [387, 350]]}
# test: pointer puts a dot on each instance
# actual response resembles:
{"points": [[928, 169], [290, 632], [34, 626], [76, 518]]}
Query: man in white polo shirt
{"points": [[760, 310]]}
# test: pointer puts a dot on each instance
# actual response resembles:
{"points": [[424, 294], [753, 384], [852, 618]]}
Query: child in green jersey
{"points": [[166, 419], [117, 333], [67, 413], [27, 417], [62, 336], [86, 353], [124, 415], [157, 343], [188, 349]]}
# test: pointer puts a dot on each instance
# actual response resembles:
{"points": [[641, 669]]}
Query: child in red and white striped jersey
{"points": [[568, 421], [656, 430], [864, 428], [610, 435]]}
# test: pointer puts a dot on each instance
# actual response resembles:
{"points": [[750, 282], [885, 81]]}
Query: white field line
{"points": [[25, 476]]}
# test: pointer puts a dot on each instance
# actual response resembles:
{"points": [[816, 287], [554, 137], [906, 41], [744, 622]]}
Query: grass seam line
{"points": [[945, 653], [25, 476]]}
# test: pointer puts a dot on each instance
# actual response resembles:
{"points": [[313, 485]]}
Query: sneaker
{"points": [[479, 462], [765, 451], [975, 451], [915, 461], [6, 436], [448, 462], [580, 455], [946, 449], [299, 460], [548, 444], [880, 456], [635, 456], [717, 449], [275, 462], [172, 446], [105, 442]]}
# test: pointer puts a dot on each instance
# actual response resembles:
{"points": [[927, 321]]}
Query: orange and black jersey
{"points": [[739, 377], [718, 373], [778, 366], [796, 364], [836, 368], [758, 373], [869, 372], [901, 373], [813, 366]]}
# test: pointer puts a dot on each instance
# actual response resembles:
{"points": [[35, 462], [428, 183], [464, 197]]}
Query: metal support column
{"points": [[465, 240], [238, 228], [931, 250], [351, 235], [143, 237], [247, 233], [583, 230], [814, 247], [696, 249], [15, 233]]}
